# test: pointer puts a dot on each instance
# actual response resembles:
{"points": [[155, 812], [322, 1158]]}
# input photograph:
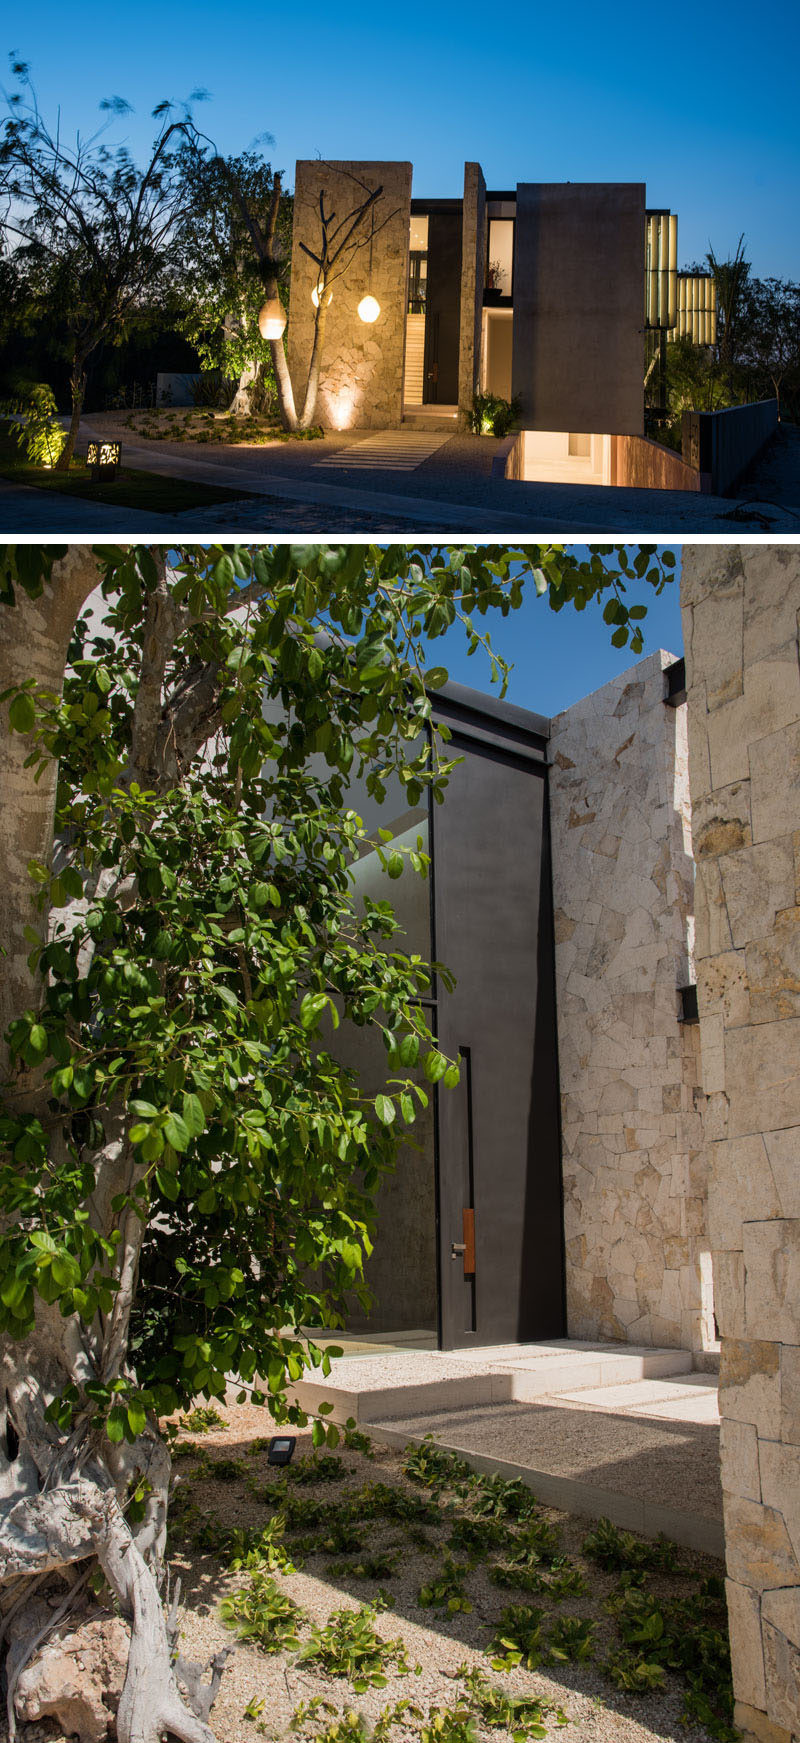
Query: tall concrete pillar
{"points": [[361, 383], [740, 610]]}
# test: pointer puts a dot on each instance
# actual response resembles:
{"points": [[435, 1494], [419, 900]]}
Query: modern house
{"points": [[560, 295], [559, 1190]]}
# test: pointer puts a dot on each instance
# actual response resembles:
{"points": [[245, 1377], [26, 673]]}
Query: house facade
{"points": [[559, 295], [560, 1190]]}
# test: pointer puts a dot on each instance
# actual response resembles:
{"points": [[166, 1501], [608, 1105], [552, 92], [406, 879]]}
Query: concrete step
{"points": [[377, 1387]]}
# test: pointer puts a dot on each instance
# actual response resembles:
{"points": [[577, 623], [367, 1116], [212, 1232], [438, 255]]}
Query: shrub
{"points": [[493, 416], [39, 433]]}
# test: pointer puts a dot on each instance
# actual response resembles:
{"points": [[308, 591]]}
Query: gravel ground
{"points": [[435, 1641]]}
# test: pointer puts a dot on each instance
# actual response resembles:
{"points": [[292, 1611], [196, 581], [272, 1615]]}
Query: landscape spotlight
{"points": [[281, 1448], [369, 309]]}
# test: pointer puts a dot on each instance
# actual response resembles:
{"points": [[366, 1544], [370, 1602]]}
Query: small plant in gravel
{"points": [[504, 1498], [262, 1613], [687, 1635], [379, 1566], [355, 1440], [522, 1715], [325, 1468], [446, 1589], [436, 1468], [571, 1637], [225, 1470], [476, 1537], [612, 1549], [348, 1645], [565, 1580], [634, 1673], [518, 1638], [456, 1724], [384, 1501], [261, 1549], [201, 1419]]}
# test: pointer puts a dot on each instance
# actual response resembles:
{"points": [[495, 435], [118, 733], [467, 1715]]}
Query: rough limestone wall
{"points": [[473, 267], [361, 383], [740, 611], [634, 1183]]}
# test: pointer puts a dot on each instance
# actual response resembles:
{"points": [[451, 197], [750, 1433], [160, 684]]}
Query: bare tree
{"points": [[91, 230]]}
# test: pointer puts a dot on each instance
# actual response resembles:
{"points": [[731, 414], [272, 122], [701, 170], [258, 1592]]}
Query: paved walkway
{"points": [[600, 1429], [452, 490]]}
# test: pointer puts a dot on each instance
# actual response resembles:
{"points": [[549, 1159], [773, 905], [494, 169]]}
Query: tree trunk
{"points": [[314, 367], [61, 1493], [34, 637], [241, 405], [78, 389]]}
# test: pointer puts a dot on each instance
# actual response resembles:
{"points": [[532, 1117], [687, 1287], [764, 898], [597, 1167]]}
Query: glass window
{"points": [[500, 262]]}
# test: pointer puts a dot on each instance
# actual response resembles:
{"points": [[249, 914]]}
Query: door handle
{"points": [[457, 1249]]}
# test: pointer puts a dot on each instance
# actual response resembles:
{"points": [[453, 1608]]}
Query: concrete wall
{"points": [[638, 463], [740, 611], [578, 306], [634, 1174], [362, 370], [721, 445], [473, 261]]}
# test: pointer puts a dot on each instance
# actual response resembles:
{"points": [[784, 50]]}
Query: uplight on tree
{"points": [[320, 291]]}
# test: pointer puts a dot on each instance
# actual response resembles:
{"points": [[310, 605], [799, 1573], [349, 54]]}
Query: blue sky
{"points": [[558, 657], [699, 105]]}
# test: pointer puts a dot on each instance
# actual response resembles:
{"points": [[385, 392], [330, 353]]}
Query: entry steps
{"points": [[415, 1382]]}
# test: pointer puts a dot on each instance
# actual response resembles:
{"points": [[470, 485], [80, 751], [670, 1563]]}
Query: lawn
{"points": [[130, 489], [387, 1597]]}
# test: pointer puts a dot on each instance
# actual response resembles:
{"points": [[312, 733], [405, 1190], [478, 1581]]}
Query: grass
{"points": [[130, 489]]}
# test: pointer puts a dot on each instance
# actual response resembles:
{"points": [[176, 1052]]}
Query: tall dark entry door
{"points": [[443, 308], [499, 1173]]}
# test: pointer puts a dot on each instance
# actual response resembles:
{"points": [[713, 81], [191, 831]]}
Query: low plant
{"points": [[518, 1638], [456, 1724], [224, 1470], [262, 1613], [312, 1468], [476, 1537], [633, 1672], [355, 1440], [446, 1590], [383, 1501], [571, 1637], [521, 1715], [504, 1498], [379, 1566], [492, 415], [612, 1549], [201, 1419], [436, 1468], [348, 1645]]}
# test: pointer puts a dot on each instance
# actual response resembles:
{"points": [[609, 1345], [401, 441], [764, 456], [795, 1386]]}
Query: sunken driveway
{"points": [[396, 481]]}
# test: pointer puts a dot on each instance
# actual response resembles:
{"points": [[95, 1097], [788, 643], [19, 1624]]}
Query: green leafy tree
{"points": [[180, 939], [222, 275], [771, 344], [731, 278], [93, 234]]}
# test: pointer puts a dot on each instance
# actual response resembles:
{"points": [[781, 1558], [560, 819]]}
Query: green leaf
{"points": [[434, 1065], [177, 1132], [137, 1418], [22, 713], [385, 1109], [193, 1116]]}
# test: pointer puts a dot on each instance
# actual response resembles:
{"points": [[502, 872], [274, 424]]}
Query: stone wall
{"points": [[361, 382], [473, 267], [740, 610], [634, 1182]]}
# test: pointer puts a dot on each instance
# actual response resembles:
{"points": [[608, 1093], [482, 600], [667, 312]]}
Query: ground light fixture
{"points": [[103, 458], [281, 1448], [272, 319]]}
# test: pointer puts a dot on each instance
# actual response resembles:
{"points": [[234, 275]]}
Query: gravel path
{"points": [[233, 1495]]}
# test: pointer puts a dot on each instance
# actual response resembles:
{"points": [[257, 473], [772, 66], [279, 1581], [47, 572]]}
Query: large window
{"points": [[500, 257]]}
